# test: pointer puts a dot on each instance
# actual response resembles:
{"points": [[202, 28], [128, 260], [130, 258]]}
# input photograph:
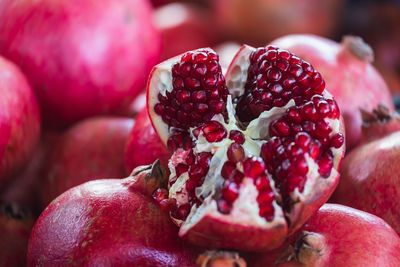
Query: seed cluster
{"points": [[199, 91]]}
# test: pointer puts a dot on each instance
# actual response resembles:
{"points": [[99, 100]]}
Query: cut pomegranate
{"points": [[253, 158]]}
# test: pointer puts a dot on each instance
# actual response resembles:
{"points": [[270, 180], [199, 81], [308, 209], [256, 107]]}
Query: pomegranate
{"points": [[15, 226], [82, 57], [113, 222], [337, 236], [253, 157], [371, 172], [143, 145], [92, 149], [351, 78], [183, 27], [226, 52], [257, 21], [19, 120]]}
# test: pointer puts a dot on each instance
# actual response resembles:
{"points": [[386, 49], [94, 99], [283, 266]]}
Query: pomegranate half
{"points": [[255, 155]]}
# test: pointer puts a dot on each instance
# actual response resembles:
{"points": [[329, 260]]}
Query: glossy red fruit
{"points": [[109, 222], [183, 27], [143, 145], [370, 177], [258, 21], [337, 236], [92, 149], [348, 72], [15, 226], [82, 57], [255, 155], [19, 120]]}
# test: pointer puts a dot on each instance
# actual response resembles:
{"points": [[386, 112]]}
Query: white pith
{"points": [[245, 210]]}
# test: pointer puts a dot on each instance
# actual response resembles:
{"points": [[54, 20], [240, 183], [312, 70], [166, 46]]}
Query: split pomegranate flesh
{"points": [[254, 148]]}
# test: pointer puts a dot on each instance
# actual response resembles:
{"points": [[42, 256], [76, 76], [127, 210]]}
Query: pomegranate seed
{"points": [[300, 166], [265, 197], [237, 136], [262, 183], [181, 168], [325, 164], [214, 131], [303, 140], [168, 205], [337, 140], [227, 169], [230, 191], [266, 211], [235, 152], [294, 181], [182, 212], [196, 172], [253, 167], [223, 206], [160, 194], [190, 185]]}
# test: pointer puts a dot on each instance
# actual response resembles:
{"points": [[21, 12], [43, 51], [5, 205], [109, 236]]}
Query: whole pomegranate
{"points": [[348, 72], [143, 145], [113, 222], [370, 177], [183, 27], [92, 149], [258, 21], [19, 120], [337, 235], [15, 226], [82, 57], [255, 155]]}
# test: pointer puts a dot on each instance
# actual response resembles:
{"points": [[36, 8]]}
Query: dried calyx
{"points": [[254, 154]]}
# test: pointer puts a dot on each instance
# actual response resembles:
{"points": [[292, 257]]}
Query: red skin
{"points": [[183, 27], [24, 187], [370, 179], [92, 149], [108, 222], [82, 57], [353, 82], [349, 238], [14, 239], [19, 120], [256, 22], [143, 145]]}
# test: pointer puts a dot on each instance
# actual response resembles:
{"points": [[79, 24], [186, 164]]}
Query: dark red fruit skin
{"points": [[92, 149], [82, 57], [143, 145], [24, 188], [19, 120], [370, 179], [14, 238], [110, 222], [351, 238], [183, 27], [353, 82]]}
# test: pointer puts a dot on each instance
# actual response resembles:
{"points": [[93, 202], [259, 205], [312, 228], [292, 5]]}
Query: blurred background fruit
{"points": [[91, 149], [82, 57]]}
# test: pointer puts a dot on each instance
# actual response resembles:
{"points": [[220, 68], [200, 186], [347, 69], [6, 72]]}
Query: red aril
{"points": [[183, 27], [370, 177], [19, 120], [109, 222], [347, 70], [91, 149], [337, 235], [82, 57], [143, 145], [254, 156]]}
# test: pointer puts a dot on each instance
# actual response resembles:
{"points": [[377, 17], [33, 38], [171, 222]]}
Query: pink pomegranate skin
{"points": [[82, 57], [92, 149], [143, 145], [370, 179], [354, 82], [15, 226], [109, 222], [342, 236], [19, 120]]}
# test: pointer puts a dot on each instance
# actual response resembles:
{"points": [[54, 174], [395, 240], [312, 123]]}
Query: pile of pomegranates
{"points": [[141, 133]]}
